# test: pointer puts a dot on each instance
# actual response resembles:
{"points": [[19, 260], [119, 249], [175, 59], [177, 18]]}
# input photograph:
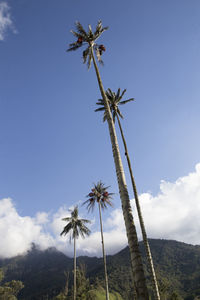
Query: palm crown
{"points": [[76, 225], [114, 99], [88, 38], [98, 194]]}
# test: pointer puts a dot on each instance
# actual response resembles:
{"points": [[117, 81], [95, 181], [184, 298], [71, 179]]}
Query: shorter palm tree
{"points": [[114, 99], [76, 227], [100, 195]]}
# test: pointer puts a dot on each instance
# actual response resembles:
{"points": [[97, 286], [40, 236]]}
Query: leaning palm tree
{"points": [[77, 227], [100, 195], [89, 39], [115, 99]]}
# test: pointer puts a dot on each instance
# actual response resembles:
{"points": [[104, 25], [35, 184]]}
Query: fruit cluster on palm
{"points": [[110, 102]]}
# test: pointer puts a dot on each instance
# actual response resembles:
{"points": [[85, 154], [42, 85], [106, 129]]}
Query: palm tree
{"points": [[77, 227], [114, 101], [89, 39], [100, 195]]}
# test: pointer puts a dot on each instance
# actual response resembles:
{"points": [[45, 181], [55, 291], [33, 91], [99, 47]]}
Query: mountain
{"points": [[42, 272]]}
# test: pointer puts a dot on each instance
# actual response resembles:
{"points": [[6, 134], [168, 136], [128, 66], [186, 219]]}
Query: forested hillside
{"points": [[44, 273]]}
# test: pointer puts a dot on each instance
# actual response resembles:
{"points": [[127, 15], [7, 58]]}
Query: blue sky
{"points": [[52, 144]]}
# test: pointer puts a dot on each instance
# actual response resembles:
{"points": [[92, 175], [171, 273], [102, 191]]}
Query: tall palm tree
{"points": [[89, 39], [100, 195], [114, 100], [77, 227]]}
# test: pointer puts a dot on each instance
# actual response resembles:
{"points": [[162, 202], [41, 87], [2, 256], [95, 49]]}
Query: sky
{"points": [[53, 146]]}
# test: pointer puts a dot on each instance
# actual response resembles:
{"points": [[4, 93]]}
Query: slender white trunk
{"points": [[104, 255], [136, 260], [144, 235]]}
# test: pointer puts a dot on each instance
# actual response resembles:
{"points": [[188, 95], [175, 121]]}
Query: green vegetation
{"points": [[9, 290], [86, 291], [99, 294], [45, 272]]}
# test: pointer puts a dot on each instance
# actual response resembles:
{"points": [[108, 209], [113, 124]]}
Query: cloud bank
{"points": [[6, 22], [172, 214]]}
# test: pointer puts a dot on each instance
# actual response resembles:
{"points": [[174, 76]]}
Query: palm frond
{"points": [[105, 203], [110, 93], [80, 29], [104, 29], [100, 109], [126, 101], [100, 102], [74, 213], [119, 113], [83, 230], [85, 54], [76, 34], [104, 116], [73, 47], [122, 94], [90, 205], [118, 93], [90, 33], [99, 30], [67, 229], [67, 219], [85, 221]]}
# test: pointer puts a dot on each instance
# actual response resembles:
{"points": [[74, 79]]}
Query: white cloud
{"points": [[42, 218], [17, 233], [172, 214], [5, 20], [57, 223]]}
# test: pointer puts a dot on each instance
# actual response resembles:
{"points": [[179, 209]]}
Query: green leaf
{"points": [[126, 101], [73, 47], [100, 109], [75, 33], [85, 54], [81, 29]]}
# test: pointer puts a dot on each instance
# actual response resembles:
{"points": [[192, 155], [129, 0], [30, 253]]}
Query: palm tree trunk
{"points": [[146, 243], [74, 268], [104, 255], [136, 260], [66, 284]]}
